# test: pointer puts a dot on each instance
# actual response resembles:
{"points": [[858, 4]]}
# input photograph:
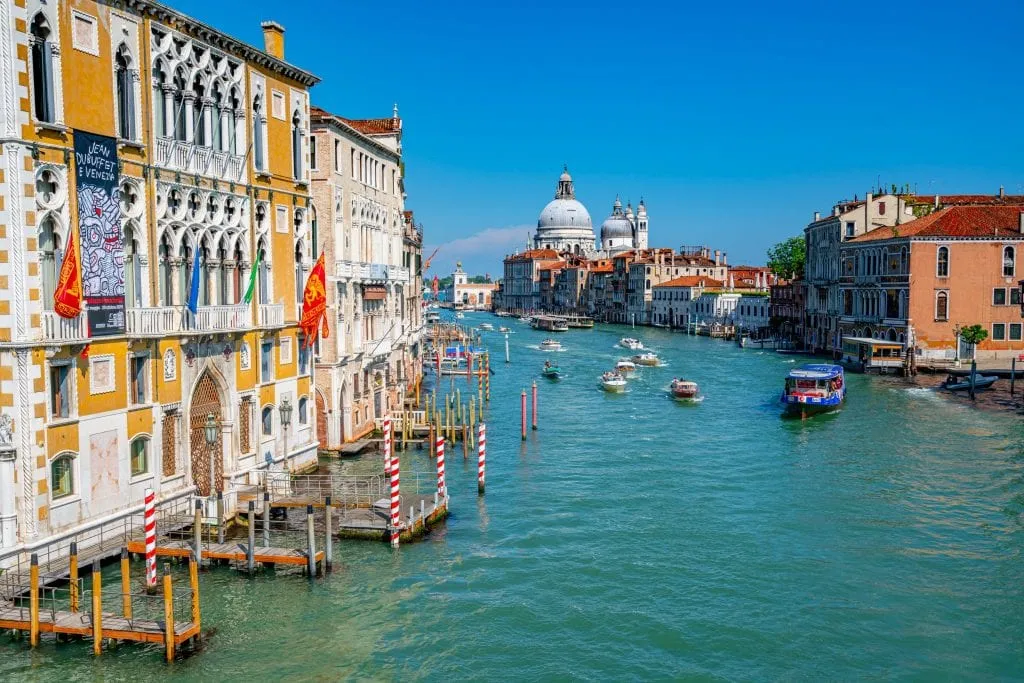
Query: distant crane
{"points": [[426, 262]]}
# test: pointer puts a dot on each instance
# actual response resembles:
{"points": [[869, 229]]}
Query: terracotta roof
{"points": [[375, 126], [967, 199], [692, 281], [531, 254], [603, 269], [966, 222]]}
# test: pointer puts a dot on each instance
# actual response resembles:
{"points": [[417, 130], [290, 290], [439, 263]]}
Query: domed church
{"points": [[565, 226]]}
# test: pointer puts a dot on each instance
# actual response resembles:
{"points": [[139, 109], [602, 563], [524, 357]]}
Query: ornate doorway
{"points": [[321, 419], [206, 400]]}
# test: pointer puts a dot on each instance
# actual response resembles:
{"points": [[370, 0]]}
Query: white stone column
{"points": [[190, 114], [225, 136], [169, 122]]}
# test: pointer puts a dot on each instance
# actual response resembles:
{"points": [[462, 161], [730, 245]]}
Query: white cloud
{"points": [[480, 252]]}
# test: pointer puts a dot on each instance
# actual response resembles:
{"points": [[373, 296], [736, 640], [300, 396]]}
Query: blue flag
{"points": [[193, 290]]}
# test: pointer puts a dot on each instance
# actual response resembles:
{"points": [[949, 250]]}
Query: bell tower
{"points": [[640, 238]]}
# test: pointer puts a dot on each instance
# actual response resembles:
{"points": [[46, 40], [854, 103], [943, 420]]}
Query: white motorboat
{"points": [[625, 367], [648, 358], [526, 319], [486, 327], [613, 382], [460, 315], [550, 345], [631, 344], [504, 329]]}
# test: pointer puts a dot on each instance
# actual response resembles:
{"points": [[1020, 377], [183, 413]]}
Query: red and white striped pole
{"points": [[442, 488], [149, 524], [387, 446], [481, 451], [523, 407], [396, 515]]}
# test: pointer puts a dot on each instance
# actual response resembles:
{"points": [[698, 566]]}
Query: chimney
{"points": [[1002, 192], [817, 216], [273, 39], [718, 256], [1021, 222], [724, 262], [936, 202]]}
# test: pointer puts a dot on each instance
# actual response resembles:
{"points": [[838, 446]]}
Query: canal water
{"points": [[632, 537]]}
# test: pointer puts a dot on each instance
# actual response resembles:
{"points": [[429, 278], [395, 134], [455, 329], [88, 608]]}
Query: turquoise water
{"points": [[632, 537]]}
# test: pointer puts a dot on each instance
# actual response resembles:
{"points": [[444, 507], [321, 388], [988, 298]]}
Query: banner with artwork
{"points": [[314, 303], [99, 229]]}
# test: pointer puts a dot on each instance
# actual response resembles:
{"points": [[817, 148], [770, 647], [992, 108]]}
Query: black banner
{"points": [[99, 228]]}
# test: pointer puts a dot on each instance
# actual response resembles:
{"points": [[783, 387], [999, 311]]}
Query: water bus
{"points": [[580, 321], [872, 355], [813, 388], [550, 323]]}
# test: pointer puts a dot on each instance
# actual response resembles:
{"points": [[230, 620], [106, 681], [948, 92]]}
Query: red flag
{"points": [[435, 285], [67, 297], [314, 302]]}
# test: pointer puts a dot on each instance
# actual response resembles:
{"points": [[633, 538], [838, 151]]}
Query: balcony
{"points": [[58, 329], [271, 315], [371, 272], [188, 157], [160, 321], [380, 348]]}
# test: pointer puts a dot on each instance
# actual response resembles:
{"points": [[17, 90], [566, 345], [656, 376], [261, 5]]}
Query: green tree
{"points": [[975, 334], [786, 259]]}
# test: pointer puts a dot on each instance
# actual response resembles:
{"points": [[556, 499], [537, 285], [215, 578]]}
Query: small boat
{"points": [[648, 358], [550, 345], [954, 383], [814, 388], [684, 389], [625, 367], [460, 315], [631, 344], [504, 330], [526, 319], [742, 340], [485, 327], [551, 371], [613, 382]]}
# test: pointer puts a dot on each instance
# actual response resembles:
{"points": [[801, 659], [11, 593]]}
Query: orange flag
{"points": [[67, 298], [314, 302]]}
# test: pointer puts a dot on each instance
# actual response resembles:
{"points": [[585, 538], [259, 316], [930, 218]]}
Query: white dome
{"points": [[564, 213], [616, 227]]}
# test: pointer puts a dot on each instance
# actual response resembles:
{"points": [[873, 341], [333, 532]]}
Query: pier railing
{"points": [[94, 542], [345, 490]]}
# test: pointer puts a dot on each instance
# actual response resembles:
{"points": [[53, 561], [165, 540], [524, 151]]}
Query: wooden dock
{"points": [[229, 552], [112, 626]]}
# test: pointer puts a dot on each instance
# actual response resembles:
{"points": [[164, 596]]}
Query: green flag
{"points": [[252, 277]]}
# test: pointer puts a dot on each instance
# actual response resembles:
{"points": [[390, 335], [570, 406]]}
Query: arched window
{"points": [[205, 273], [224, 275], [218, 134], [166, 278], [125, 93], [178, 102], [42, 70], [132, 269], [257, 132], [303, 410], [267, 421], [237, 274], [1008, 261], [51, 257], [297, 151], [234, 139], [263, 276], [942, 306], [159, 78], [184, 272], [62, 476], [942, 262], [140, 455], [299, 282], [202, 134]]}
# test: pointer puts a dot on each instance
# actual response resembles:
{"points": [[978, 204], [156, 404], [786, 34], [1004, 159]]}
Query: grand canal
{"points": [[631, 537]]}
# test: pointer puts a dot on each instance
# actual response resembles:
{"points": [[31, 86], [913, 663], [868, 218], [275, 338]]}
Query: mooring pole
{"points": [[33, 600], [126, 585], [507, 359], [481, 448], [535, 405], [197, 531], [266, 520], [73, 576], [311, 541], [220, 516], [1013, 374], [250, 550], [328, 541], [523, 407], [974, 374]]}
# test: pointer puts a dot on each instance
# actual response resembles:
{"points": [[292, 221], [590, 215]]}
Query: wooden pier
{"points": [[229, 552]]}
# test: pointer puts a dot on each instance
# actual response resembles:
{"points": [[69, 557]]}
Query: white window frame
{"points": [[935, 305], [285, 352], [993, 330], [948, 260], [132, 357], [281, 224], [74, 494], [149, 457], [278, 112], [1013, 261], [94, 387]]}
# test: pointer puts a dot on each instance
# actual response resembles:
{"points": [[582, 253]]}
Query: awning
{"points": [[374, 293]]}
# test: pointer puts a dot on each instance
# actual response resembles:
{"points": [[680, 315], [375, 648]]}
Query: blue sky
{"points": [[735, 121]]}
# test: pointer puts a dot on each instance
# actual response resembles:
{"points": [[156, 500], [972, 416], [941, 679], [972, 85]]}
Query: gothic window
{"points": [[257, 132], [942, 306], [303, 410], [166, 282], [224, 275], [204, 272], [299, 279], [234, 139], [42, 70], [237, 274], [218, 121], [159, 78], [184, 272], [942, 262], [125, 94], [297, 169], [267, 421], [178, 104], [132, 268], [51, 257], [201, 135], [263, 277], [1008, 261]]}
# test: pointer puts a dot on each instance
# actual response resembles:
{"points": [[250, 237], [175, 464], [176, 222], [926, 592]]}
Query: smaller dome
{"points": [[565, 177], [617, 225]]}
